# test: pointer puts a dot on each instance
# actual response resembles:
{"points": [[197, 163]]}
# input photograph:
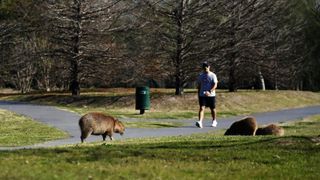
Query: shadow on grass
{"points": [[185, 150], [238, 142], [193, 149], [80, 101]]}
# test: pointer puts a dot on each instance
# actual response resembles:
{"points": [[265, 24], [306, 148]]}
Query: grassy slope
{"points": [[201, 156], [121, 102], [204, 156], [18, 130]]}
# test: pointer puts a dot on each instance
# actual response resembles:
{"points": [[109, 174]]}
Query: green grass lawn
{"points": [[16, 130], [201, 156]]}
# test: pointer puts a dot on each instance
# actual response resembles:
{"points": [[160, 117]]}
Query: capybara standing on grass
{"points": [[99, 124], [246, 126], [271, 129]]}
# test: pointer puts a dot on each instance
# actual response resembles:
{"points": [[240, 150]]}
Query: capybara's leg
{"points": [[104, 136], [84, 135], [110, 136]]}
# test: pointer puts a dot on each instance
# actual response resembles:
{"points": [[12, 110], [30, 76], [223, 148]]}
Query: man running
{"points": [[207, 83]]}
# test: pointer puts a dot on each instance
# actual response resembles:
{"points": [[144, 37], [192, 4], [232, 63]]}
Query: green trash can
{"points": [[142, 99]]}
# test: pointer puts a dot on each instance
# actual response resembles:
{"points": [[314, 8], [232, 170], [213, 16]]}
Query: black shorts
{"points": [[207, 102]]}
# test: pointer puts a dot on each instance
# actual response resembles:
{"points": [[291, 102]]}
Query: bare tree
{"points": [[310, 75], [82, 34], [19, 44], [180, 31], [284, 44], [256, 43], [7, 27], [245, 38]]}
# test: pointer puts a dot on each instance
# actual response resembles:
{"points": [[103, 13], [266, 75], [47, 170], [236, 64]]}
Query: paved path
{"points": [[68, 122]]}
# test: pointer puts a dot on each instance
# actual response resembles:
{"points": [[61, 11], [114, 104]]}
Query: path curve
{"points": [[68, 121]]}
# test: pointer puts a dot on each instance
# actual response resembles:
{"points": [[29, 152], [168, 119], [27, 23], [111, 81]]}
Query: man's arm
{"points": [[198, 84], [215, 85], [198, 87]]}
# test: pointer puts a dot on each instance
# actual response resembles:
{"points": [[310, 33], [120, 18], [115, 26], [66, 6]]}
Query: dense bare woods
{"points": [[65, 45]]}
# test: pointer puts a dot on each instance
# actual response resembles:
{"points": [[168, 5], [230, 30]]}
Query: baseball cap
{"points": [[205, 64]]}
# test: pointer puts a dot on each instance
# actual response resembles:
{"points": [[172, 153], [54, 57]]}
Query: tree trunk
{"points": [[179, 87], [179, 44], [74, 84], [75, 88], [263, 85], [232, 60], [179, 91], [232, 80]]}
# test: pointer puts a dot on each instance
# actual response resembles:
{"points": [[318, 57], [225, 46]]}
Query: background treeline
{"points": [[67, 44]]}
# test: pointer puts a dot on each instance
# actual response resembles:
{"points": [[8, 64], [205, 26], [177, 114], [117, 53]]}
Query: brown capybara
{"points": [[99, 124], [271, 129], [246, 126]]}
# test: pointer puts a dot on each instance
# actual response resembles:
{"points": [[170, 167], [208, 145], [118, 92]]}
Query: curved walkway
{"points": [[68, 121]]}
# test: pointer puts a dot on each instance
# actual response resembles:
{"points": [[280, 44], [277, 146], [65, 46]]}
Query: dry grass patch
{"points": [[164, 104]]}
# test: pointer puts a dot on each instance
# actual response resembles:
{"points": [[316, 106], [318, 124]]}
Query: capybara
{"points": [[271, 129], [99, 124], [246, 126]]}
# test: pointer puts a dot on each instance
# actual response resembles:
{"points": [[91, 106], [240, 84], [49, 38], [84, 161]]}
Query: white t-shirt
{"points": [[206, 82]]}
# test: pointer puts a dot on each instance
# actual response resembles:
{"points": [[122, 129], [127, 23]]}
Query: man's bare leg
{"points": [[201, 116], [214, 115]]}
